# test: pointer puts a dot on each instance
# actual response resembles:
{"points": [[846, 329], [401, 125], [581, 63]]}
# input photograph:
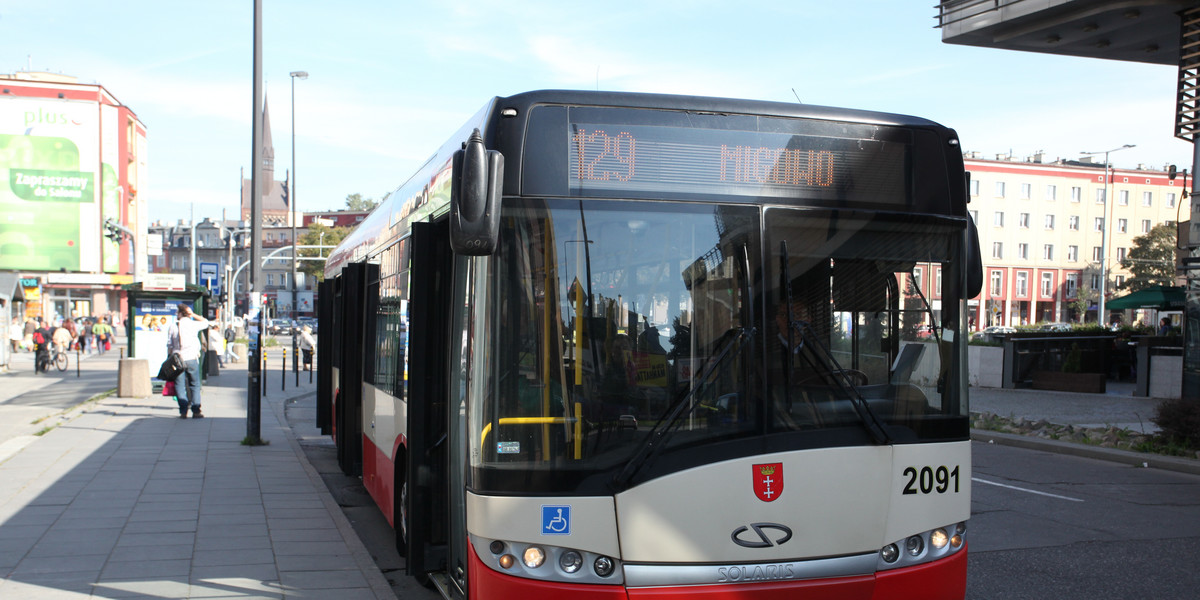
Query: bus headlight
{"points": [[938, 539], [914, 545], [570, 561], [603, 566], [534, 557]]}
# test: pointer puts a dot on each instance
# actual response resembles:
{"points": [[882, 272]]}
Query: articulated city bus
{"points": [[607, 345]]}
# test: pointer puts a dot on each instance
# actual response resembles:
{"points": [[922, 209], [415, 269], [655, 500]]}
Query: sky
{"points": [[389, 81]]}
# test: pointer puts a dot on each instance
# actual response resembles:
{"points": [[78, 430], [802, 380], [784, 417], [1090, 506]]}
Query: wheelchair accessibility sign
{"points": [[556, 520]]}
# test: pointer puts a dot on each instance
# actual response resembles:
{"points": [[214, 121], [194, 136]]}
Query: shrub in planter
{"points": [[1179, 421]]}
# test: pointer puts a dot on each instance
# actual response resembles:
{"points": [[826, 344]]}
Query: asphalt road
{"points": [[1052, 526]]}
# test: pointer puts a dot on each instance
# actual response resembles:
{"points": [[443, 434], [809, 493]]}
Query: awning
{"points": [[1160, 297], [9, 287]]}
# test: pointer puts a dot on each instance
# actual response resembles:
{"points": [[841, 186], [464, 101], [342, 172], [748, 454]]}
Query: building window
{"points": [[1047, 285], [283, 277], [1073, 222], [974, 187], [1098, 225], [1022, 284], [1123, 198], [270, 279], [1101, 193], [1076, 194], [1026, 191], [999, 189], [1072, 253], [1121, 254], [1023, 221], [1048, 251], [1147, 199], [1072, 284], [997, 250], [1095, 282], [975, 216], [997, 282], [1049, 221], [1170, 199], [1120, 280], [1023, 251], [998, 219], [1122, 225], [1145, 225], [938, 283], [1051, 193], [1096, 253]]}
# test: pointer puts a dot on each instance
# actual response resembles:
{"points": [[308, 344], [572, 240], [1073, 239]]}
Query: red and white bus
{"points": [[607, 345]]}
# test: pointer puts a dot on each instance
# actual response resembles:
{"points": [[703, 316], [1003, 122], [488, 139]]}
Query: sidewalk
{"points": [[126, 499]]}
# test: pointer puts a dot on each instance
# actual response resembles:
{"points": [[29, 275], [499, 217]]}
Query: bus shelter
{"points": [[152, 312]]}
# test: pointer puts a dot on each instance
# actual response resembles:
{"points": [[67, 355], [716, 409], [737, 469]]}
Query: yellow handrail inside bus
{"points": [[487, 429]]}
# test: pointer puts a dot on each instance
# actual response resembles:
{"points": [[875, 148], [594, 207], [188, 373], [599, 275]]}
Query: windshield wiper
{"points": [[818, 350], [657, 438], [841, 379]]}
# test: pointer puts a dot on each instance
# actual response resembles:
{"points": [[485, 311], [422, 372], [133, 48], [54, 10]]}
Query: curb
{"points": [[380, 586], [1135, 459]]}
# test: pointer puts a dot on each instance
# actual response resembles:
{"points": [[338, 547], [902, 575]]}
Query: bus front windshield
{"points": [[620, 326]]}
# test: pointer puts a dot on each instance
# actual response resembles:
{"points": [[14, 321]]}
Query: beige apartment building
{"points": [[1040, 231]]}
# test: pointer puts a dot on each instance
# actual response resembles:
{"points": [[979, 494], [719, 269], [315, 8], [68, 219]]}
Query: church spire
{"points": [[268, 176]]}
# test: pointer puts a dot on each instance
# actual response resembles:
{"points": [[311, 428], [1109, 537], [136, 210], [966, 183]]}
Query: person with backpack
{"points": [[41, 347], [183, 338]]}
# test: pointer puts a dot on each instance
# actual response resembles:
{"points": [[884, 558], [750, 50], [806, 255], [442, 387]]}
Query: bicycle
{"points": [[58, 358]]}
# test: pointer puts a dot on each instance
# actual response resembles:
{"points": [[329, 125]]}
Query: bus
{"points": [[614, 345]]}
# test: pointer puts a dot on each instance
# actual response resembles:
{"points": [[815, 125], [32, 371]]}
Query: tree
{"points": [[1151, 260], [318, 234], [356, 202], [1084, 296]]}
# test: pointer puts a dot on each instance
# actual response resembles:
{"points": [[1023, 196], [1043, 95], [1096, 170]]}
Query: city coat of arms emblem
{"points": [[768, 481]]}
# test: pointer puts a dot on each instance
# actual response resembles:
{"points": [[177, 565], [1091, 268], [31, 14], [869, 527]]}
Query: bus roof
{"points": [[426, 193]]}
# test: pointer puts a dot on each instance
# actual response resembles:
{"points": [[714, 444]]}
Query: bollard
{"points": [[265, 371], [77, 362], [283, 372], [312, 368]]}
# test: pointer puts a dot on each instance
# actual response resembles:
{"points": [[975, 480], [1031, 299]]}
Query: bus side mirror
{"points": [[475, 188], [974, 262]]}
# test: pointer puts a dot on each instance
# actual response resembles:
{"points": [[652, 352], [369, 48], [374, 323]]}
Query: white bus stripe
{"points": [[1020, 489]]}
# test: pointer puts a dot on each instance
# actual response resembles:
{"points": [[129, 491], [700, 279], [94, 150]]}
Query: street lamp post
{"points": [[292, 200], [1100, 316]]}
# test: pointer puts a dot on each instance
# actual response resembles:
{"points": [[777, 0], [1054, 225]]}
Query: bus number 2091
{"points": [[928, 480]]}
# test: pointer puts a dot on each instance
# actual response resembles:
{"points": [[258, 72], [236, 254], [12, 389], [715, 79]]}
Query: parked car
{"points": [[311, 322], [1059, 327], [279, 327], [989, 333]]}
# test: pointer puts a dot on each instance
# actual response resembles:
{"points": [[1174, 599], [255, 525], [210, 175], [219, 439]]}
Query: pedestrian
{"points": [[15, 334], [183, 338], [30, 327], [103, 335], [215, 343], [307, 343], [41, 347], [62, 337], [229, 337], [1164, 327]]}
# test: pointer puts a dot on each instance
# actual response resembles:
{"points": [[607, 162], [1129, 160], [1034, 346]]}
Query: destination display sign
{"points": [[651, 158]]}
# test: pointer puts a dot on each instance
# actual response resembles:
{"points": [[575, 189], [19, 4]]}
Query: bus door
{"points": [[325, 352], [348, 416], [436, 531]]}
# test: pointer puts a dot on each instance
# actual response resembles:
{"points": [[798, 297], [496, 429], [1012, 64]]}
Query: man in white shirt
{"points": [[183, 339]]}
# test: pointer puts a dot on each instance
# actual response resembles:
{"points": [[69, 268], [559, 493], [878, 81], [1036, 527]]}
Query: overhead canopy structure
{"points": [[1160, 297]]}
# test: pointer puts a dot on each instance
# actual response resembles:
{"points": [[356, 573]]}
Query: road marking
{"points": [[1021, 489]]}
